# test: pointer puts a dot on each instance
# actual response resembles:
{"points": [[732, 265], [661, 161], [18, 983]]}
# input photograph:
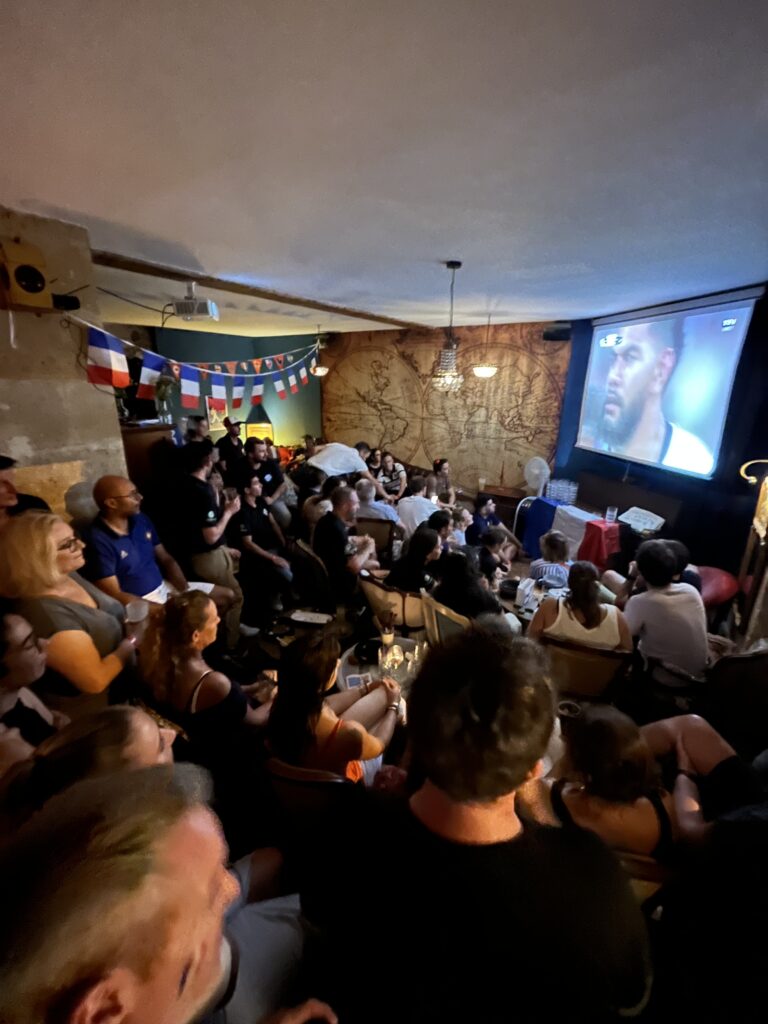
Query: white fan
{"points": [[536, 474]]}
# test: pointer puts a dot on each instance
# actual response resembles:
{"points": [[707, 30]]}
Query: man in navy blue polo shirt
{"points": [[124, 556], [484, 519]]}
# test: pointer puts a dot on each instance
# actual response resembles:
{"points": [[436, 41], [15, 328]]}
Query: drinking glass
{"points": [[611, 513], [230, 493]]}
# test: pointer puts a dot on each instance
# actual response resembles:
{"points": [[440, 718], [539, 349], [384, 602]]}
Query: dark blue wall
{"points": [[714, 520], [292, 417]]}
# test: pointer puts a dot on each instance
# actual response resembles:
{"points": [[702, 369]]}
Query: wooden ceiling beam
{"points": [[137, 266]]}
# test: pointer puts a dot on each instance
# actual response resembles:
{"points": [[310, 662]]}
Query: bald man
{"points": [[124, 556]]}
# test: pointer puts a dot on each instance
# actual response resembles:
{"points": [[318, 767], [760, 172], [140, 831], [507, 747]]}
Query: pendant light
{"points": [[446, 376], [317, 370]]}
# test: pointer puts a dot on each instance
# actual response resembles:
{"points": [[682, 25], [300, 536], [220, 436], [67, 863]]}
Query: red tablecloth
{"points": [[601, 540]]}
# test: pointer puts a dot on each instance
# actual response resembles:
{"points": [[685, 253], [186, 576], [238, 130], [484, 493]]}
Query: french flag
{"points": [[238, 389], [303, 374], [257, 391], [313, 362], [280, 388], [190, 386], [218, 392], [292, 383], [106, 360], [151, 369]]}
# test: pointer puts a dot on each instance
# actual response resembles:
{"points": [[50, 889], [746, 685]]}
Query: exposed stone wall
{"points": [[63, 431]]}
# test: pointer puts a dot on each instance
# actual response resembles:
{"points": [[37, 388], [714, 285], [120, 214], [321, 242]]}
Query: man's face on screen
{"points": [[639, 370]]}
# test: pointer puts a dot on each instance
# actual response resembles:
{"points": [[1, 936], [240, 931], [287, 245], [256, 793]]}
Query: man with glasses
{"points": [[124, 556]]}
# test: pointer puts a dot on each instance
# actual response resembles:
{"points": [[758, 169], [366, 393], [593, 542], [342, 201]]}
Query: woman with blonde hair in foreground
{"points": [[40, 559]]}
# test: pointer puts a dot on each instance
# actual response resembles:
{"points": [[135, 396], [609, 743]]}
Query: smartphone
{"points": [[354, 681]]}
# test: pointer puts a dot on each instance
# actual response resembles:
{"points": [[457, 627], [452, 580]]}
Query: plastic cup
{"points": [[611, 514], [136, 617], [136, 611], [230, 493]]}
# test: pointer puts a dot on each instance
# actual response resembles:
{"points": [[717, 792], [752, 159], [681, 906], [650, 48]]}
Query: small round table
{"points": [[400, 676]]}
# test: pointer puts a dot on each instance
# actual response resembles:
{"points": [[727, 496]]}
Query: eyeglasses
{"points": [[131, 494], [70, 545]]}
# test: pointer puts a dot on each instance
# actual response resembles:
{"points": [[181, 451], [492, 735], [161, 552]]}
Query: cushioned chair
{"points": [[717, 586], [407, 608], [585, 671], [440, 621], [735, 701], [310, 578], [383, 533]]}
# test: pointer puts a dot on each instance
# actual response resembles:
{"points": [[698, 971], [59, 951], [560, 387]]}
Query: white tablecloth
{"points": [[572, 521]]}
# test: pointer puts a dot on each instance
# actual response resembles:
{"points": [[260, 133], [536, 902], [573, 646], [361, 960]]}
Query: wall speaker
{"points": [[23, 277]]}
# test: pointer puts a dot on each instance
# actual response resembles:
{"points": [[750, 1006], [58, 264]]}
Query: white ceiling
{"points": [[581, 156]]}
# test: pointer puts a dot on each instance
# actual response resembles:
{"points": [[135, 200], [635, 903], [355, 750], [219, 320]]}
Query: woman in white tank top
{"points": [[581, 618]]}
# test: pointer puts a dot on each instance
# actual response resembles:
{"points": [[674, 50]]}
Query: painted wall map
{"points": [[379, 391]]}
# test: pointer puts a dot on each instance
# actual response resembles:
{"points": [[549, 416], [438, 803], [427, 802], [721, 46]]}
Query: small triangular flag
{"points": [[244, 366], [290, 359], [268, 363], [231, 367], [256, 364], [280, 361]]}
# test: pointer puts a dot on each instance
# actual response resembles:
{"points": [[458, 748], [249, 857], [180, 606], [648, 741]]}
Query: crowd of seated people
{"points": [[490, 857]]}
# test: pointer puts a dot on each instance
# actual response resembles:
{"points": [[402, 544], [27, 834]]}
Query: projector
{"points": [[192, 308]]}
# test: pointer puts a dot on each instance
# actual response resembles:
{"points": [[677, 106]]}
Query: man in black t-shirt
{"points": [[479, 916], [201, 538], [343, 556], [265, 571], [271, 476], [230, 451]]}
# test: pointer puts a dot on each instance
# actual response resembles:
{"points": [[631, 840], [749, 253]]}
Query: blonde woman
{"points": [[39, 561]]}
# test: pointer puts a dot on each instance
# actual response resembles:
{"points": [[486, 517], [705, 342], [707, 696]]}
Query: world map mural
{"points": [[379, 390]]}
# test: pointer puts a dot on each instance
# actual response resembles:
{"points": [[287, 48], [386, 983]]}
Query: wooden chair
{"points": [[585, 671], [407, 608], [383, 533], [735, 701], [304, 797], [440, 621]]}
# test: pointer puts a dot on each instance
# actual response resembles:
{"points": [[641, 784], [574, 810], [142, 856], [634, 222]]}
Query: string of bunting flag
{"points": [[107, 365]]}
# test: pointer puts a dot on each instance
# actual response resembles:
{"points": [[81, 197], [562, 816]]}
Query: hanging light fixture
{"points": [[317, 370], [486, 369], [446, 376]]}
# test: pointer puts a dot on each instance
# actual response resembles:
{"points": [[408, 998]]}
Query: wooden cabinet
{"points": [[138, 443]]}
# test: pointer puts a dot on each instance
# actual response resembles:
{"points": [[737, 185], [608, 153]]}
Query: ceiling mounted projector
{"points": [[192, 308]]}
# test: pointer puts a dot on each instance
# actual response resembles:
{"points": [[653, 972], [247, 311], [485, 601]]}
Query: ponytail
{"points": [[584, 593]]}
